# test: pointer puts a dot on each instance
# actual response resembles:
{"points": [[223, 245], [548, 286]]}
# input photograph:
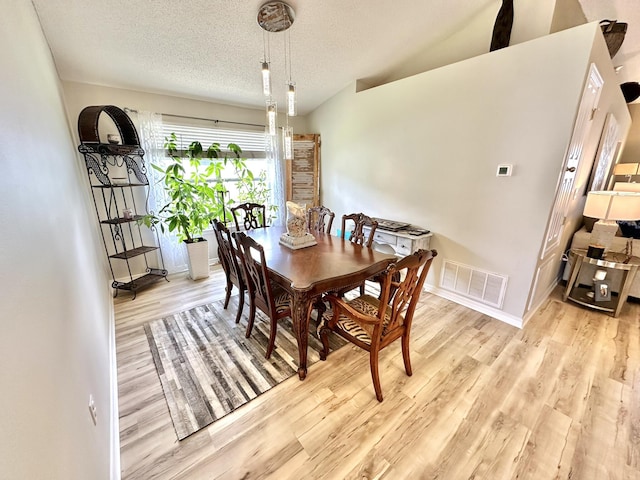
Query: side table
{"points": [[584, 295], [402, 242]]}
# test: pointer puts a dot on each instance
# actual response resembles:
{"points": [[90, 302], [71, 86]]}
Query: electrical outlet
{"points": [[92, 410]]}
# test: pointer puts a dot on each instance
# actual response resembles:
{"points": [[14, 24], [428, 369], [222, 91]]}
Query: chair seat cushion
{"points": [[369, 306], [282, 300]]}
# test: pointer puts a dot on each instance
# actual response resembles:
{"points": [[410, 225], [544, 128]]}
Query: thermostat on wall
{"points": [[504, 170]]}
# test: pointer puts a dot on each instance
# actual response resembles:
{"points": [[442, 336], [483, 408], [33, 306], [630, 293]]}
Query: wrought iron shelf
{"points": [[116, 171], [120, 185], [150, 277], [119, 220], [110, 149], [134, 252]]}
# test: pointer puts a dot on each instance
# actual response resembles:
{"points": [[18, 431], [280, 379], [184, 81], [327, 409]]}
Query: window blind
{"points": [[252, 143]]}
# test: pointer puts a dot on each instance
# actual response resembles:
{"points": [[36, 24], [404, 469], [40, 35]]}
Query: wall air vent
{"points": [[479, 285]]}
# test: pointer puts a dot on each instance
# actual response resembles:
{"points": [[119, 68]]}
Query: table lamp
{"points": [[626, 187], [626, 169], [609, 206]]}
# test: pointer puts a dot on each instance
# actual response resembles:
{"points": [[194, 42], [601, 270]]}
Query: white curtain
{"points": [[150, 131], [276, 170]]}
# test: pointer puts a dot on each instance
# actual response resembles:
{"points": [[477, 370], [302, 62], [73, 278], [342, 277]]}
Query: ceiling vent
{"points": [[479, 285]]}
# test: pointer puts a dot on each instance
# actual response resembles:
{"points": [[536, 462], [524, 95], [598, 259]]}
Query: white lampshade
{"points": [[626, 169], [613, 205], [626, 187]]}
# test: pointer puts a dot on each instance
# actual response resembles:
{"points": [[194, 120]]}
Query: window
{"points": [[252, 143]]}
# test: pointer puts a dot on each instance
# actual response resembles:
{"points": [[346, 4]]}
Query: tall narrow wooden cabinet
{"points": [[120, 189]]}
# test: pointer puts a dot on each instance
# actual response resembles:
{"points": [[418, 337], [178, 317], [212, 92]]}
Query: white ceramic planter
{"points": [[198, 254]]}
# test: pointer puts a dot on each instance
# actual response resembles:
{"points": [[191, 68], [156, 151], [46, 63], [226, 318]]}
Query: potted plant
{"points": [[193, 202]]}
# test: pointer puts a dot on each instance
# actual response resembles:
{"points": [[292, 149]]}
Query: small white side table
{"points": [[402, 242]]}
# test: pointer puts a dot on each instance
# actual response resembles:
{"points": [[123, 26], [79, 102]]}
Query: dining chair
{"points": [[356, 223], [229, 260], [372, 324], [359, 220], [249, 215], [269, 298], [320, 219]]}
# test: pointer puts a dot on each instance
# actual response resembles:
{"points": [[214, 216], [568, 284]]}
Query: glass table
{"points": [[603, 300]]}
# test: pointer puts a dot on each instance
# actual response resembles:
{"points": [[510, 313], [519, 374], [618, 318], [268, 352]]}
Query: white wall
{"points": [[425, 149], [57, 318], [567, 14], [531, 19], [80, 95], [631, 152]]}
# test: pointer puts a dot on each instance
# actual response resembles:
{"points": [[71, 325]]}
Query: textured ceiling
{"points": [[211, 49]]}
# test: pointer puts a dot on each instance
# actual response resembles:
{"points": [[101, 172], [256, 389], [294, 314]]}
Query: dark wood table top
{"points": [[331, 263]]}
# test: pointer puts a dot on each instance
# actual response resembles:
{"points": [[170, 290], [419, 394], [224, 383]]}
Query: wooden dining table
{"points": [[309, 272]]}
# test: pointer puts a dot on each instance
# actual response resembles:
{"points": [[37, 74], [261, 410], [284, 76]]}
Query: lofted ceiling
{"points": [[212, 49]]}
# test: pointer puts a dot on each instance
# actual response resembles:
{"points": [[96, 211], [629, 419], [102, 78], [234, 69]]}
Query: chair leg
{"points": [[240, 306], [252, 317], [405, 353], [362, 289], [272, 337], [324, 336], [375, 375], [320, 306], [228, 294]]}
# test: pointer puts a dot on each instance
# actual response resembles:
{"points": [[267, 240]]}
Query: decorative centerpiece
{"points": [[297, 235]]}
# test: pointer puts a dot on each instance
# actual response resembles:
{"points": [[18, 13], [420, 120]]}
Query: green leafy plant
{"points": [[196, 197], [255, 189], [193, 200]]}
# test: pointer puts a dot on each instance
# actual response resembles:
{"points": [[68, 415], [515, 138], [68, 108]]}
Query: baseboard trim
{"points": [[532, 311], [477, 306], [113, 408]]}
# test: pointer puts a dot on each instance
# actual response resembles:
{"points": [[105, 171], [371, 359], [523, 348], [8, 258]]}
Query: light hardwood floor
{"points": [[557, 399]]}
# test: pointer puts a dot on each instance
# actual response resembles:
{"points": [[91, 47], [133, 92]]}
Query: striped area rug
{"points": [[208, 368]]}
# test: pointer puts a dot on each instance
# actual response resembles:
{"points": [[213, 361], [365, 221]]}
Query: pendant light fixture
{"points": [[266, 79], [277, 17], [272, 116]]}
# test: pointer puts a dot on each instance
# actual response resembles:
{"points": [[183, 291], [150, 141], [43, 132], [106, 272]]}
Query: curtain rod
{"points": [[200, 118]]}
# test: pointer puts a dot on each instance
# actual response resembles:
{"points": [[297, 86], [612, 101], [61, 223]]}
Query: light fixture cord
{"points": [[288, 32], [287, 73], [266, 47]]}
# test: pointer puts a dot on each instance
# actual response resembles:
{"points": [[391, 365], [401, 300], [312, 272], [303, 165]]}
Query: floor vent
{"points": [[485, 287]]}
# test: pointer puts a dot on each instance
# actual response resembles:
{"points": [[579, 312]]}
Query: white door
{"points": [[584, 120], [548, 264]]}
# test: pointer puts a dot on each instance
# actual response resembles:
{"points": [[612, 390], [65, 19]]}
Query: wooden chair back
{"points": [[256, 272], [248, 216], [320, 219], [403, 295], [233, 271], [273, 301], [360, 220], [228, 254]]}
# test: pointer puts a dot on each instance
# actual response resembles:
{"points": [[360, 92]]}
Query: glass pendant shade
{"points": [[272, 114], [276, 17], [291, 100], [287, 142], [266, 79]]}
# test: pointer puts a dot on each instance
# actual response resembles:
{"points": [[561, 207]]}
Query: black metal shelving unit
{"points": [[120, 190]]}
